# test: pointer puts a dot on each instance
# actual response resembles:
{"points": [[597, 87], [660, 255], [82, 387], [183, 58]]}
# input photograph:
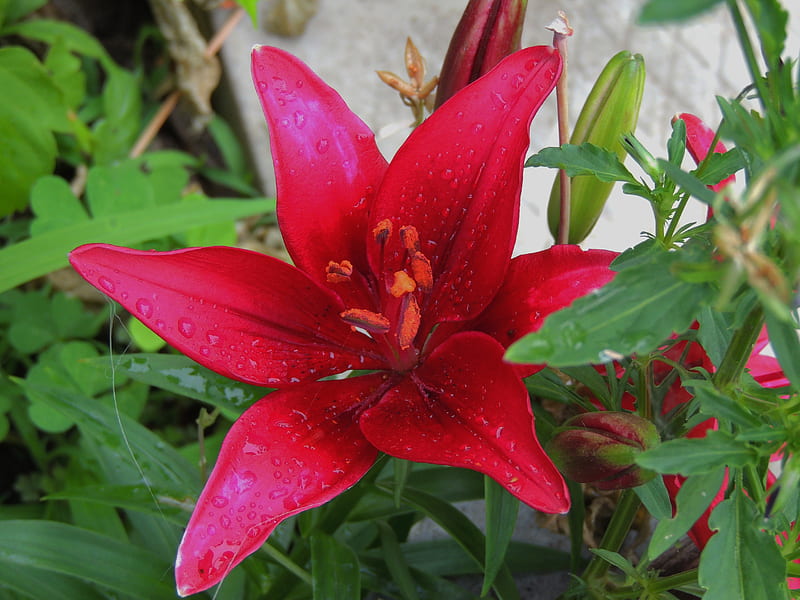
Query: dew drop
{"points": [[107, 284], [285, 122], [161, 325], [212, 338], [276, 461], [299, 119], [225, 521], [278, 493], [253, 532], [322, 146], [186, 327], [211, 530], [144, 307], [447, 174], [252, 515], [204, 350], [219, 501]]}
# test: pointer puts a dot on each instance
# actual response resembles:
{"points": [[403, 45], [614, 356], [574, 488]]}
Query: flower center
{"points": [[397, 324]]}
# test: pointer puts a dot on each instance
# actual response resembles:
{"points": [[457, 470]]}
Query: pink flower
{"points": [[402, 272]]}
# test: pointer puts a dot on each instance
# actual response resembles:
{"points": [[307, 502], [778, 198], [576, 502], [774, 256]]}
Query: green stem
{"points": [[616, 533], [662, 584], [739, 350], [749, 54]]}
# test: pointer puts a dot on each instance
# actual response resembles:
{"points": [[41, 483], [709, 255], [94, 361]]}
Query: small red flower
{"points": [[401, 270]]}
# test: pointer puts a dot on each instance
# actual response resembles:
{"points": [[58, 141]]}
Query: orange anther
{"points": [[366, 319], [409, 321], [338, 272], [421, 269], [382, 231], [403, 284], [409, 238]]}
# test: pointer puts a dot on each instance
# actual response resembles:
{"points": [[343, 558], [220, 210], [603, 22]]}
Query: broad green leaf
{"points": [[61, 548], [54, 205], [720, 165], [116, 132], [741, 562], [143, 337], [181, 375], [501, 518], [47, 252], [640, 308], [692, 456], [334, 570], [663, 11], [67, 73], [117, 189], [250, 7], [585, 159], [51, 31], [721, 406], [693, 499], [12, 10]]}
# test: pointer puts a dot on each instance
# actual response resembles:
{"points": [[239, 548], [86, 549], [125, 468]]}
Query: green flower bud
{"points": [[489, 30], [600, 448], [610, 111]]}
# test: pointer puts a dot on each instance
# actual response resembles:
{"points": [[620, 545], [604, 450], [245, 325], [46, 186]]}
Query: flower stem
{"points": [[739, 349], [618, 528], [561, 32]]}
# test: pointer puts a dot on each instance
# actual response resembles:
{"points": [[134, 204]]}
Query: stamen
{"points": [[410, 238], [421, 269], [403, 284], [338, 272], [409, 321], [382, 231], [366, 319]]}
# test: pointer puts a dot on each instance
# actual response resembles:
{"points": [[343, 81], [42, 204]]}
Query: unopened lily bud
{"points": [[489, 30], [610, 111], [600, 448]]}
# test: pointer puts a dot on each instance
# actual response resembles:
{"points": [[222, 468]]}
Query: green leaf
{"points": [[786, 345], [501, 518], [688, 181], [335, 571], [54, 205], [663, 11], [52, 32], [47, 252], [691, 456], [771, 20], [396, 562], [616, 559], [741, 562], [116, 133], [127, 569], [119, 188], [693, 499], [181, 375], [585, 159], [67, 73], [720, 165], [640, 308], [655, 498], [718, 405], [250, 7], [38, 583]]}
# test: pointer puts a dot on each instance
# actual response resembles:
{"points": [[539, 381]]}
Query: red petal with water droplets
{"points": [[539, 284], [293, 450], [457, 179], [698, 141], [327, 165], [245, 315], [464, 407]]}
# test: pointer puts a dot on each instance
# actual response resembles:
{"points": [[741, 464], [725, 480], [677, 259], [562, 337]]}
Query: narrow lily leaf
{"points": [[41, 254], [585, 159], [771, 19], [69, 550], [663, 11], [741, 562], [396, 563], [694, 497], [37, 583], [464, 531], [401, 470], [655, 498], [691, 456], [335, 573], [501, 518], [634, 313], [181, 375], [785, 343]]}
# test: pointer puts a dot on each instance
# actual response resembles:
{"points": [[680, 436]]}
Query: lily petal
{"points": [[541, 283], [464, 407], [292, 450], [245, 315], [327, 164], [457, 180]]}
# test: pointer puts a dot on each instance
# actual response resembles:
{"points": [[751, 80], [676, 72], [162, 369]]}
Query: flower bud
{"points": [[611, 110], [600, 448], [489, 30]]}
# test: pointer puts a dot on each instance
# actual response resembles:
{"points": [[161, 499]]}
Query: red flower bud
{"points": [[600, 448], [489, 30]]}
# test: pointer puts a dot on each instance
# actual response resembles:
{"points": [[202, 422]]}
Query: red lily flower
{"points": [[403, 270]]}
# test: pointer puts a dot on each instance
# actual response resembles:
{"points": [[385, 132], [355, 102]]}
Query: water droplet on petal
{"points": [[107, 284], [322, 146], [278, 493], [219, 501], [144, 308], [299, 119], [186, 327], [161, 325]]}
